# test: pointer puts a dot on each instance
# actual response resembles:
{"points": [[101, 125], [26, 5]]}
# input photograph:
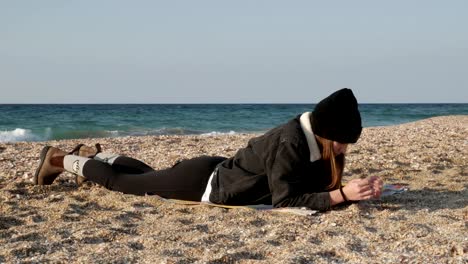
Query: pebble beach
{"points": [[64, 223]]}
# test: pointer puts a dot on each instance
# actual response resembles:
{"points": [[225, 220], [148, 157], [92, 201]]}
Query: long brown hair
{"points": [[336, 162]]}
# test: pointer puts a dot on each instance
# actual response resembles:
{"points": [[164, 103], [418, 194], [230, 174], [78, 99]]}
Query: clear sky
{"points": [[242, 51]]}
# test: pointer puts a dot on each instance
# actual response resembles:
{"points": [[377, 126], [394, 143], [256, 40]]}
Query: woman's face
{"points": [[339, 148]]}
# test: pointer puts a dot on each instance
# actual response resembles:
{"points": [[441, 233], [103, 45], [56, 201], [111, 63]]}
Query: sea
{"points": [[42, 122]]}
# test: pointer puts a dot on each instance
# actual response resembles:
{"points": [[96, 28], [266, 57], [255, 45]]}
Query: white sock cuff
{"points": [[74, 164], [108, 158]]}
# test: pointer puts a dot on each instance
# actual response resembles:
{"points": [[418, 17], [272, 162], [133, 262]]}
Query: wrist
{"points": [[345, 198], [336, 197]]}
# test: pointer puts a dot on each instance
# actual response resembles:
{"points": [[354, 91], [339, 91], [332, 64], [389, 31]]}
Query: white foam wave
{"points": [[216, 133], [113, 133], [18, 134]]}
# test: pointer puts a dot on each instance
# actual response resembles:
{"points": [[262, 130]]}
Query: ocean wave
{"points": [[216, 133], [162, 131], [19, 134], [169, 131]]}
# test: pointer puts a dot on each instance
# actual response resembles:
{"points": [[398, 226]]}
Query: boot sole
{"points": [[43, 156]]}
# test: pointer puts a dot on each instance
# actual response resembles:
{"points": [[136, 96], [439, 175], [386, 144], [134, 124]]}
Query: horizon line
{"points": [[231, 103]]}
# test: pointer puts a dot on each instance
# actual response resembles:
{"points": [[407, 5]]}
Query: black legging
{"points": [[186, 180]]}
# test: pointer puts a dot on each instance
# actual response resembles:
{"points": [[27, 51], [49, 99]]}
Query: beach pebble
{"points": [[426, 224]]}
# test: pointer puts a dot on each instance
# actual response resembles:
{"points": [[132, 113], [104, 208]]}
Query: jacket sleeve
{"points": [[283, 168]]}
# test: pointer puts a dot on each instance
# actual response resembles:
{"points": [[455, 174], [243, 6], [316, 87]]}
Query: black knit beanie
{"points": [[337, 117]]}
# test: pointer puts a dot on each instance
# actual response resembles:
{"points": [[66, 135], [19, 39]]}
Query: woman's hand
{"points": [[363, 189], [359, 189], [377, 185]]}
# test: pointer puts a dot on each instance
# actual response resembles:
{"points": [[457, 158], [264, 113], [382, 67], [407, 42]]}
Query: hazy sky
{"points": [[242, 51]]}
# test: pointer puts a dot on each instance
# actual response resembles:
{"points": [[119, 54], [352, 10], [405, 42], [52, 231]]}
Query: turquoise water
{"points": [[46, 122]]}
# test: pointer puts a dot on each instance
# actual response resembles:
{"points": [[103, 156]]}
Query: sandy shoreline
{"points": [[62, 223]]}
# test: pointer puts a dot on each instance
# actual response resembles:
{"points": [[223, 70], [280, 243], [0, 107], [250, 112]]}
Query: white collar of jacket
{"points": [[310, 137]]}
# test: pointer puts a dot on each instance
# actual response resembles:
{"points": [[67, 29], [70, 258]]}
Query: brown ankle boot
{"points": [[88, 152], [46, 173], [85, 151]]}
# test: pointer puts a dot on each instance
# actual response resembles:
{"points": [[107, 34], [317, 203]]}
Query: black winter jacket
{"points": [[280, 168]]}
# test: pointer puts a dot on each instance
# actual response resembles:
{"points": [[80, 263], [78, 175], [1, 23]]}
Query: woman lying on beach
{"points": [[297, 164]]}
